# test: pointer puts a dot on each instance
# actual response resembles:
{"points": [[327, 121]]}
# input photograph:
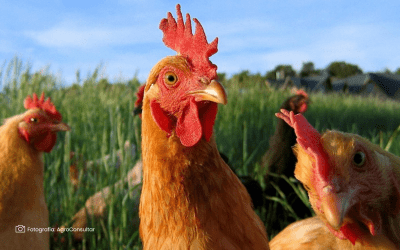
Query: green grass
{"points": [[100, 115]]}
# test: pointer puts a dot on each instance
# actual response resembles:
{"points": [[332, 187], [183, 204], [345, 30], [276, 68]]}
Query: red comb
{"points": [[302, 92], [139, 96], [46, 106], [178, 36], [310, 140]]}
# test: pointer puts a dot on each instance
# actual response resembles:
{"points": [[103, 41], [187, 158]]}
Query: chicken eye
{"points": [[359, 159], [170, 78], [35, 120]]}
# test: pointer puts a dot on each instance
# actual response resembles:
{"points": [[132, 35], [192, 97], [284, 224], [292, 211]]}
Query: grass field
{"points": [[101, 118]]}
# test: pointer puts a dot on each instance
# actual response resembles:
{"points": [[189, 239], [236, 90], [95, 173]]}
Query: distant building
{"points": [[376, 84], [319, 83]]}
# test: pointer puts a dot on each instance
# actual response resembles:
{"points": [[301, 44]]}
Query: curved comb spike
{"points": [[188, 25], [309, 139], [178, 36], [46, 106], [42, 98]]}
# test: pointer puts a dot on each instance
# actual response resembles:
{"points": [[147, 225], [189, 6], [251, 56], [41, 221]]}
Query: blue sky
{"points": [[124, 36]]}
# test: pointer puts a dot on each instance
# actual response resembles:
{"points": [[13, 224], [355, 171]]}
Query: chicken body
{"points": [[353, 185], [22, 201], [280, 158], [312, 234], [190, 198]]}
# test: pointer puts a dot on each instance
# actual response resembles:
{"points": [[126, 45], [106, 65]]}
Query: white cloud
{"points": [[72, 35]]}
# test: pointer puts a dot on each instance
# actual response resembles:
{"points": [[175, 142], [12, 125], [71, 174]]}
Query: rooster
{"points": [[23, 208], [190, 198], [279, 159], [353, 186]]}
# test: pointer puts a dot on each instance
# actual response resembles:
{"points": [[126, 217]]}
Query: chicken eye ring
{"points": [[359, 158], [170, 78]]}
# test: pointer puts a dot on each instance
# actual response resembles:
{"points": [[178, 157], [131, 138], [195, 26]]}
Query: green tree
{"points": [[397, 72], [308, 69], [287, 70], [246, 79], [343, 69], [222, 77]]}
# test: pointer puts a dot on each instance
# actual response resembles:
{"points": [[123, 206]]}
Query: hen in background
{"points": [[23, 207], [279, 159]]}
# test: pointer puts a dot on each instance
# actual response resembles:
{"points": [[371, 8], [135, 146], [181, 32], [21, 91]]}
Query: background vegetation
{"points": [[100, 115]]}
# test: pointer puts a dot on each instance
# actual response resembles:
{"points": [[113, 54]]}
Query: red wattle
{"points": [[351, 231], [47, 143], [188, 127]]}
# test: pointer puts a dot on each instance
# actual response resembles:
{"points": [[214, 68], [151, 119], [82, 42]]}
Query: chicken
{"points": [[353, 185], [252, 186], [190, 198], [312, 234], [279, 159], [23, 208]]}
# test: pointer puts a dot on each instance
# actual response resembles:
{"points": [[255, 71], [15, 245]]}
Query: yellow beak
{"points": [[336, 205], [214, 92], [60, 127]]}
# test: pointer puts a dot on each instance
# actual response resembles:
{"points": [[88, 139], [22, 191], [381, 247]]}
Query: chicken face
{"points": [[40, 124], [185, 101], [183, 89], [299, 103], [352, 198]]}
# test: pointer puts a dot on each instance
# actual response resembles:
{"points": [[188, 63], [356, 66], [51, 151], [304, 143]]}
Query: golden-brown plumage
{"points": [[353, 186], [22, 200], [312, 234], [190, 198]]}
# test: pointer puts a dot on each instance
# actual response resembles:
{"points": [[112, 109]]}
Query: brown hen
{"points": [[190, 198]]}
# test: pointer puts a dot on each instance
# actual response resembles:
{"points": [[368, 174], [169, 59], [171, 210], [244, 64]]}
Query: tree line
{"points": [[337, 69]]}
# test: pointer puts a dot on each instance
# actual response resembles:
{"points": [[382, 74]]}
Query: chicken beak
{"points": [[214, 92], [336, 205], [56, 127]]}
